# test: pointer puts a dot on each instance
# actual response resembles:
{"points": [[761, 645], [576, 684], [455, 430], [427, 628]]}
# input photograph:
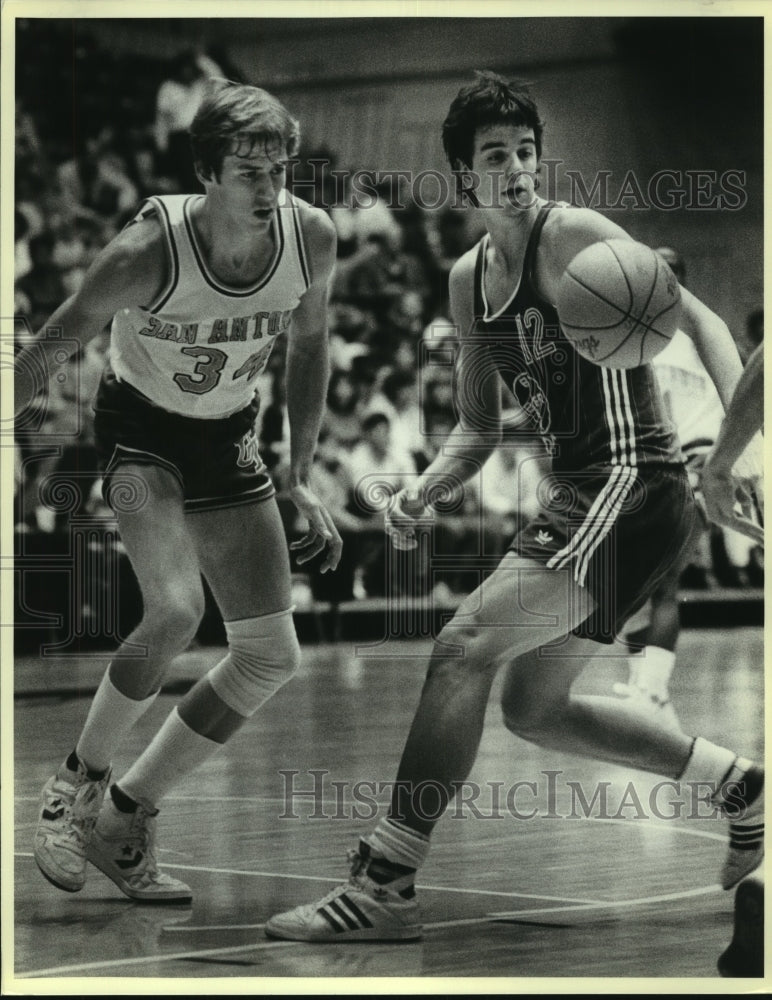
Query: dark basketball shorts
{"points": [[618, 529], [216, 461]]}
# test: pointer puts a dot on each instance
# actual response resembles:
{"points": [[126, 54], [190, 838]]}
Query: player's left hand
{"points": [[321, 530]]}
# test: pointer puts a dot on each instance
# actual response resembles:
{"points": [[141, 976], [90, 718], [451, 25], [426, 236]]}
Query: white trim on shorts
{"points": [[598, 522]]}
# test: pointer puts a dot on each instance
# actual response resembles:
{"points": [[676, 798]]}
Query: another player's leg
{"points": [[538, 706], [652, 656], [744, 957], [164, 561], [243, 554], [651, 667], [519, 606]]}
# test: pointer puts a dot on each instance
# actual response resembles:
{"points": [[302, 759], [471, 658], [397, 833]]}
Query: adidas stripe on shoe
{"points": [[746, 838], [357, 910]]}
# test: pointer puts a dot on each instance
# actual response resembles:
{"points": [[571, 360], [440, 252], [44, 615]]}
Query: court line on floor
{"points": [[661, 825], [207, 870], [107, 963], [651, 824], [440, 925], [495, 915]]}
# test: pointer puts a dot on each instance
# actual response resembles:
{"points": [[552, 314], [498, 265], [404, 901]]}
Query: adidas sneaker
{"points": [[357, 910], [746, 838]]}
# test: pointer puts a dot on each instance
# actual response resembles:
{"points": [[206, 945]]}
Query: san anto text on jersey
{"points": [[220, 331]]}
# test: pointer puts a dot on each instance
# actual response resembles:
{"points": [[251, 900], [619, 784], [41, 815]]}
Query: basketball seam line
{"points": [[638, 322]]}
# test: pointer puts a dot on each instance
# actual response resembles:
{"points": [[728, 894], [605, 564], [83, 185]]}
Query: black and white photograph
{"points": [[382, 498]]}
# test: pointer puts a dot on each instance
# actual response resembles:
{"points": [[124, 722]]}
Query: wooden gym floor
{"points": [[621, 893]]}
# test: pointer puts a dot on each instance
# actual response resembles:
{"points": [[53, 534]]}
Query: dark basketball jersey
{"points": [[585, 414]]}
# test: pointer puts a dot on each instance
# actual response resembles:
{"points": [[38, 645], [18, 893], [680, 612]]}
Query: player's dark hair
{"points": [[234, 118], [490, 100]]}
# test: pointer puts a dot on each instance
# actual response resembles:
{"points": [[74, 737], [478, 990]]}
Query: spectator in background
{"points": [[27, 147], [22, 262], [361, 531], [398, 399], [95, 182], [142, 163], [351, 330], [43, 284], [177, 101], [30, 193], [342, 422], [396, 340], [376, 468]]}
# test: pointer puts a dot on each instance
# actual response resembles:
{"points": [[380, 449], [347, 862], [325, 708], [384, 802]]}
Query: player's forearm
{"points": [[744, 414], [308, 371], [461, 457]]}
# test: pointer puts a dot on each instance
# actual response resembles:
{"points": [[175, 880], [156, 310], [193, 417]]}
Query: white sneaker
{"points": [[656, 708], [746, 843], [357, 910], [69, 808], [123, 848]]}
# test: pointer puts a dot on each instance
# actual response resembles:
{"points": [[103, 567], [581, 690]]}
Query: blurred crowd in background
{"points": [[390, 394]]}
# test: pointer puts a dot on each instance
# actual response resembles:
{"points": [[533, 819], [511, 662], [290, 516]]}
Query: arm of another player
{"points": [[308, 372], [718, 353], [744, 417], [478, 429], [129, 271], [715, 344]]}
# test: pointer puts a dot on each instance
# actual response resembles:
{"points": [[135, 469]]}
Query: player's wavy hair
{"points": [[490, 100], [234, 118]]}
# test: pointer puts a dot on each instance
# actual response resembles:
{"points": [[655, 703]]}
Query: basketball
{"points": [[619, 303]]}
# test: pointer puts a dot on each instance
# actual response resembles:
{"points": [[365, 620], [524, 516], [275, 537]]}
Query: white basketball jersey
{"points": [[691, 399], [200, 347]]}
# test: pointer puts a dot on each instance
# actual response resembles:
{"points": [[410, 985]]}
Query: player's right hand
{"points": [[401, 517], [322, 532], [723, 494]]}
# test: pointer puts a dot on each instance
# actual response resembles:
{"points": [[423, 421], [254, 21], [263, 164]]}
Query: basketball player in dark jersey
{"points": [[614, 514]]}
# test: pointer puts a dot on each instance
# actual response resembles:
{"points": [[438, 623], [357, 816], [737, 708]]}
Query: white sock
{"points": [[398, 843], [713, 765], [633, 664], [175, 751], [652, 671], [109, 720]]}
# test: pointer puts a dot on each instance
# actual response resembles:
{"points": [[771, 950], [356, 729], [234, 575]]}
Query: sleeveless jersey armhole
{"points": [[530, 255], [172, 259], [301, 245]]}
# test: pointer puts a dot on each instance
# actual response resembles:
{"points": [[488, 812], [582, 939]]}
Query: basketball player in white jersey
{"points": [[198, 288]]}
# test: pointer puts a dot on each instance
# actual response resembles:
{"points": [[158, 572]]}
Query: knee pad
{"points": [[263, 653]]}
